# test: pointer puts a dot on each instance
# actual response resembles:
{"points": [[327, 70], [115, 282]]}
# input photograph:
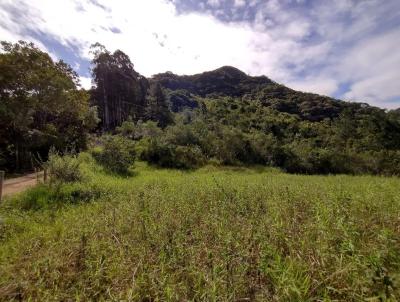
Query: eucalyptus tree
{"points": [[119, 91]]}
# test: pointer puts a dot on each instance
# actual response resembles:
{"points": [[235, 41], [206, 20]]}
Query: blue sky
{"points": [[348, 49]]}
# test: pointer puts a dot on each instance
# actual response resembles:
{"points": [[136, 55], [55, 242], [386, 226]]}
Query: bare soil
{"points": [[16, 185]]}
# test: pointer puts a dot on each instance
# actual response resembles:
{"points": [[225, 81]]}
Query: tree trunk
{"points": [[106, 121], [17, 159]]}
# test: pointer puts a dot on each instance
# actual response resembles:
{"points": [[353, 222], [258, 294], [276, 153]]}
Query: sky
{"points": [[347, 49]]}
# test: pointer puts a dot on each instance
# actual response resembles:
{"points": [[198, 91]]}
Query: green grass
{"points": [[216, 234]]}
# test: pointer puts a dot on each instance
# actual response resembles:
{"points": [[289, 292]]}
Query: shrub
{"points": [[386, 162], [263, 149], [308, 159], [188, 157], [181, 134], [154, 151], [117, 155], [63, 168], [128, 129], [231, 147], [164, 154]]}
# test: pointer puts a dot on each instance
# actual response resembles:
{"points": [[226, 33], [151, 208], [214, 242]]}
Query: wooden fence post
{"points": [[1, 183]]}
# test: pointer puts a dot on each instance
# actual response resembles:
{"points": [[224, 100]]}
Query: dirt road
{"points": [[19, 184]]}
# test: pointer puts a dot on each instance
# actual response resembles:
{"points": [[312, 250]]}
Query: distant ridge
{"points": [[228, 81], [225, 80]]}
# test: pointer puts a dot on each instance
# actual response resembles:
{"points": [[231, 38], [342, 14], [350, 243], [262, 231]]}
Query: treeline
{"points": [[41, 105], [120, 92], [232, 132], [222, 117]]}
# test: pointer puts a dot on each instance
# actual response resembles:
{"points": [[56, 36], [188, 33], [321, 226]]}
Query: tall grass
{"points": [[217, 234]]}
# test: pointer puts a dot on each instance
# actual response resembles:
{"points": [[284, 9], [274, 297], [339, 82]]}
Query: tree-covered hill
{"points": [[227, 81], [223, 116], [235, 118], [230, 81]]}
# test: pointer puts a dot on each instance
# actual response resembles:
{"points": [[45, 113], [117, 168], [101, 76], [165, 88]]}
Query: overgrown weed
{"points": [[215, 234]]}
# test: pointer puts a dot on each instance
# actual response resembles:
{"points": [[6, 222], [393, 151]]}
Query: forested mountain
{"points": [[229, 81], [234, 118], [223, 117]]}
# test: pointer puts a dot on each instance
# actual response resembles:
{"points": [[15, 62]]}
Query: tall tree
{"points": [[41, 105], [119, 90], [157, 107]]}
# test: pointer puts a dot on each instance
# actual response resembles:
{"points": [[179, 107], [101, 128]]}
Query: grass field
{"points": [[216, 234]]}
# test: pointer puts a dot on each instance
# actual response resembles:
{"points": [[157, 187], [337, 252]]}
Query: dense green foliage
{"points": [[237, 119], [120, 92], [41, 106], [222, 116], [117, 154], [226, 80], [63, 168], [229, 131], [216, 234]]}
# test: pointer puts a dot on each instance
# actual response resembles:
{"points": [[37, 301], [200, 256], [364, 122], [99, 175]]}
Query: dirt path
{"points": [[19, 184]]}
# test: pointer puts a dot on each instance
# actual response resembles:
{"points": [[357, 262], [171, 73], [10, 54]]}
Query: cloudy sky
{"points": [[348, 49]]}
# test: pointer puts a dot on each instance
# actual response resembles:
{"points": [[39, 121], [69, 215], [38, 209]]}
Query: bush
{"points": [[117, 155], [385, 162], [63, 168], [164, 154], [230, 147], [188, 157], [128, 129], [307, 159], [154, 151], [263, 149]]}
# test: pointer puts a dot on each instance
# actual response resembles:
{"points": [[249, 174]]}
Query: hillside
{"points": [[226, 80], [230, 81], [222, 116]]}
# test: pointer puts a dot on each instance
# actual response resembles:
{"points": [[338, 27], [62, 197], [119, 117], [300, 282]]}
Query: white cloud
{"points": [[10, 31], [376, 88], [214, 3], [239, 3], [188, 36], [320, 85], [297, 29], [157, 39], [371, 68], [85, 82], [373, 56]]}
